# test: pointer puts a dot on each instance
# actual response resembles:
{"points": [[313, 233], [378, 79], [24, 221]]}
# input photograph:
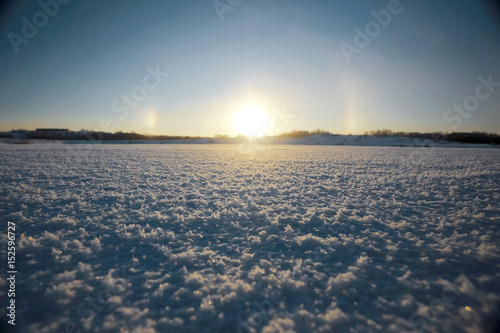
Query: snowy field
{"points": [[225, 238]]}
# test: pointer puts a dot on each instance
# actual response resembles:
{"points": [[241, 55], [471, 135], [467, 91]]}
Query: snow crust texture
{"points": [[225, 238]]}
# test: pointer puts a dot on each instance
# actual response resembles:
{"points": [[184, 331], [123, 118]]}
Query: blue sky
{"points": [[274, 55]]}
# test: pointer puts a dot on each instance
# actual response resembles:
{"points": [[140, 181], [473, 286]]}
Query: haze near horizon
{"points": [[204, 68]]}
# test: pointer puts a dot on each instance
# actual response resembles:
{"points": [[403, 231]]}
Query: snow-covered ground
{"points": [[229, 238]]}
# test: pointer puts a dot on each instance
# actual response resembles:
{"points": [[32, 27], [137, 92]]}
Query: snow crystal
{"points": [[205, 238]]}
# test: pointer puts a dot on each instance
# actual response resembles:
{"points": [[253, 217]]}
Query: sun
{"points": [[251, 121]]}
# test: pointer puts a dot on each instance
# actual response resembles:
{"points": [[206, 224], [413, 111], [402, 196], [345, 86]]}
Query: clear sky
{"points": [[89, 65]]}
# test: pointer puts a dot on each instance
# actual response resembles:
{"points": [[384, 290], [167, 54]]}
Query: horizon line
{"points": [[378, 132]]}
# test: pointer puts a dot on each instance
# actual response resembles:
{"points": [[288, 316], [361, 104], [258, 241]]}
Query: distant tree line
{"points": [[466, 137], [88, 136], [302, 134]]}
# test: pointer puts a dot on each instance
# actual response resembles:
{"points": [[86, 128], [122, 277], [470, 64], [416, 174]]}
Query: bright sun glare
{"points": [[251, 121]]}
